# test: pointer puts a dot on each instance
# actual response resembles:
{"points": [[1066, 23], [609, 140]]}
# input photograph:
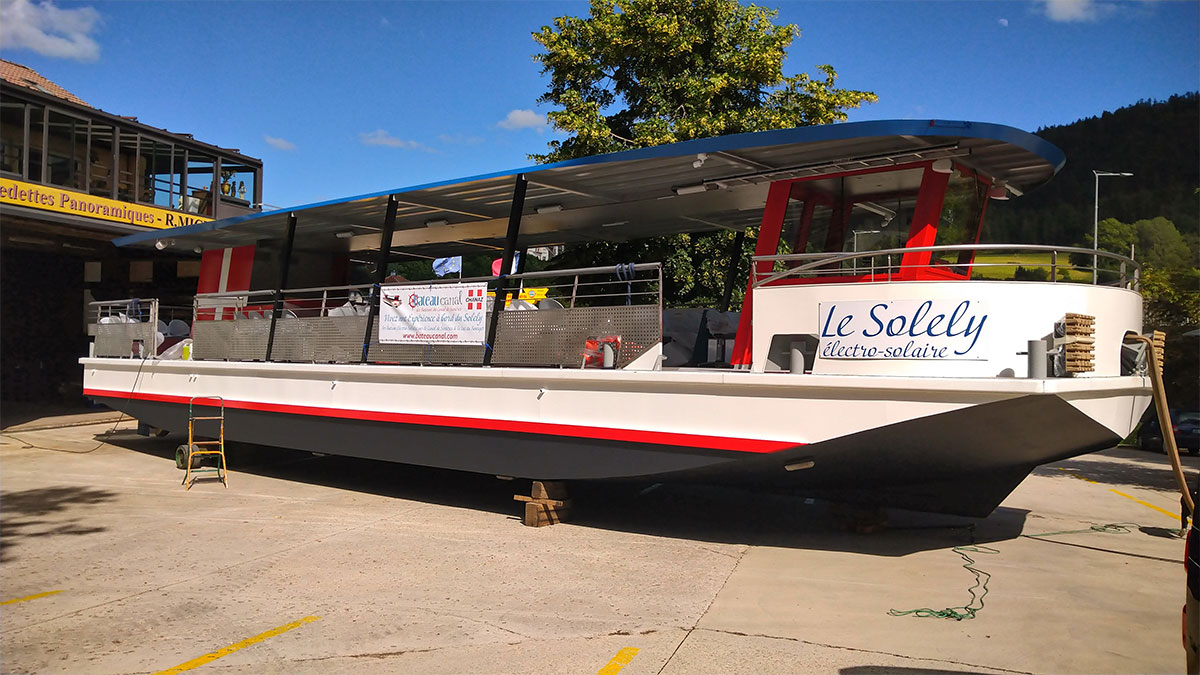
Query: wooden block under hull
{"points": [[538, 514]]}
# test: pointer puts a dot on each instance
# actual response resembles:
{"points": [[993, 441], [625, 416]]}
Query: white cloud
{"points": [[1071, 11], [1004, 22], [279, 143], [383, 138], [523, 119], [459, 139], [48, 30]]}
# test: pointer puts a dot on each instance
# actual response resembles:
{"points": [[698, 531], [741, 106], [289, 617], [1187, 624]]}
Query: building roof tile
{"points": [[24, 76]]}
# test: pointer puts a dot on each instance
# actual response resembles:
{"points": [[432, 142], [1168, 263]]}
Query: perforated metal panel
{"points": [[116, 339], [132, 321], [557, 337], [546, 337], [244, 340]]}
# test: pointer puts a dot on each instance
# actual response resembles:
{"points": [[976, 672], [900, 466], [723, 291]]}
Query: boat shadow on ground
{"points": [[716, 514], [1142, 468]]}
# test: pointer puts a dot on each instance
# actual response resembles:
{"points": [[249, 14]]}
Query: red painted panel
{"points": [[240, 265], [545, 428], [210, 271], [923, 231], [767, 244]]}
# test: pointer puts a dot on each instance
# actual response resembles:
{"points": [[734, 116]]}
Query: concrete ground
{"points": [[313, 565]]}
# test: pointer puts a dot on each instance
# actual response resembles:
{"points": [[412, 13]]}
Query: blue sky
{"points": [[353, 97]]}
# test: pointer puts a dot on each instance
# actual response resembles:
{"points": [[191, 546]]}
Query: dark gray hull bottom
{"points": [[963, 462]]}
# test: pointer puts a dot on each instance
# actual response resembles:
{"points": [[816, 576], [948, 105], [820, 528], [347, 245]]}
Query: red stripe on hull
{"points": [[545, 428]]}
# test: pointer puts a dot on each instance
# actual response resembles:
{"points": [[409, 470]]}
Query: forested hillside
{"points": [[1157, 141]]}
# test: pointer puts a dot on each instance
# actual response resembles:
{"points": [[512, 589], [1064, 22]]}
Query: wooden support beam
{"points": [[547, 504]]}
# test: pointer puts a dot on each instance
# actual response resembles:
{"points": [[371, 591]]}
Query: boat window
{"points": [[864, 212], [962, 211]]}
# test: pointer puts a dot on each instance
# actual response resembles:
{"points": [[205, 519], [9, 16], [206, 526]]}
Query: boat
{"points": [[878, 358]]}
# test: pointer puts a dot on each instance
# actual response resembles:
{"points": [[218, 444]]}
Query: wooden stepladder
{"points": [[196, 448]]}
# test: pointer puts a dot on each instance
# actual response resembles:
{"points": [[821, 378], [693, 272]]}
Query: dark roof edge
{"points": [[810, 134], [45, 98]]}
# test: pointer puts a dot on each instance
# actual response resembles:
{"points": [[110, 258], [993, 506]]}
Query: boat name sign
{"points": [[940, 330], [442, 314]]}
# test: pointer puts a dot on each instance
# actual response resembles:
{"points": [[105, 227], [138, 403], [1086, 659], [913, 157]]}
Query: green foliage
{"points": [[1160, 245], [1031, 274], [639, 73], [1171, 298], [694, 265], [1157, 141], [1154, 242]]}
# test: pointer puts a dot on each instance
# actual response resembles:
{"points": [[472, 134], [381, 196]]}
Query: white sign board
{"points": [[440, 314], [935, 330]]}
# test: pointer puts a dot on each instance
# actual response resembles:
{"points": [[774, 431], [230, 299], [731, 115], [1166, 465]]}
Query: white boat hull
{"points": [[917, 442]]}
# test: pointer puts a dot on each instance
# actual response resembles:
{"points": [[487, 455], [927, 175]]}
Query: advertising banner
{"points": [[442, 314], [59, 200], [937, 330]]}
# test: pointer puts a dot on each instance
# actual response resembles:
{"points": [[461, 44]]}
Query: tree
{"points": [[638, 73]]}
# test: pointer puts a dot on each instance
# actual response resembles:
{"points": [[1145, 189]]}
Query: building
{"points": [[72, 178]]}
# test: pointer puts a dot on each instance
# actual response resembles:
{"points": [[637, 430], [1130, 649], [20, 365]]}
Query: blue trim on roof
{"points": [[731, 143]]}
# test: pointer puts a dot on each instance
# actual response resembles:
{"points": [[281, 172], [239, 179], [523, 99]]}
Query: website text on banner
{"points": [[448, 315]]}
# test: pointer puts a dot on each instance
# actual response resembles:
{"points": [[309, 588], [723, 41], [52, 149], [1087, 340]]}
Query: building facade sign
{"points": [[932, 329], [48, 198], [448, 315]]}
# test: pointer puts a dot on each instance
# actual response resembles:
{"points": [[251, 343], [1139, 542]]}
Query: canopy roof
{"points": [[632, 194]]}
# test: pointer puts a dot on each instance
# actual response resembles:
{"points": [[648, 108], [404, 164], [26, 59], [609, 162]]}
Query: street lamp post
{"points": [[1096, 222]]}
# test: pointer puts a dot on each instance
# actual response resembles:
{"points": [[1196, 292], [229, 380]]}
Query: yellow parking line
{"points": [[619, 661], [226, 651], [1075, 475], [1131, 497], [1146, 504], [35, 596]]}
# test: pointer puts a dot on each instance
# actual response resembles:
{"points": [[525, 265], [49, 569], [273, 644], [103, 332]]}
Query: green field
{"points": [[1006, 265]]}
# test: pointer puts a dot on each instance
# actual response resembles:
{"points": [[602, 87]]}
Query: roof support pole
{"points": [[510, 245], [381, 265], [284, 263]]}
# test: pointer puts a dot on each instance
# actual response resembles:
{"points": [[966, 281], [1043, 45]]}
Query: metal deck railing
{"points": [[328, 324], [888, 264]]}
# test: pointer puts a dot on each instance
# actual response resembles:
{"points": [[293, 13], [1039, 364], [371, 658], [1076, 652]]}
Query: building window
{"points": [[66, 151], [161, 183], [237, 183], [12, 137], [199, 184], [130, 165], [101, 160], [37, 142]]}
